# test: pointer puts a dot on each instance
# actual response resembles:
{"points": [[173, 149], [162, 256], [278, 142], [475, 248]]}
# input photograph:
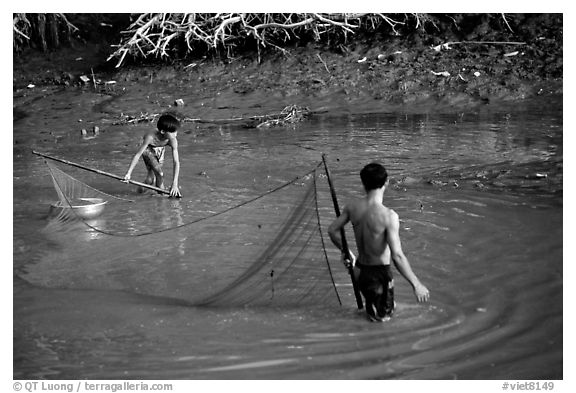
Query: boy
{"points": [[376, 229], [152, 151]]}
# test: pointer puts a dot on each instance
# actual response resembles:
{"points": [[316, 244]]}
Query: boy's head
{"points": [[168, 123], [373, 176]]}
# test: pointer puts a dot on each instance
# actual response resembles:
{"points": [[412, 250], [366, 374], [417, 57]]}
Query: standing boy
{"points": [[152, 151], [376, 229]]}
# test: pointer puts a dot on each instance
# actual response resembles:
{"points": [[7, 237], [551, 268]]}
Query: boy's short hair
{"points": [[168, 122], [373, 176]]}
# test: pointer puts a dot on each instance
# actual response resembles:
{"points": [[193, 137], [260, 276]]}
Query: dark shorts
{"points": [[377, 285]]}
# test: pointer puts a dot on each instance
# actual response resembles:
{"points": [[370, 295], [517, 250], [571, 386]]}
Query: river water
{"points": [[479, 194]]}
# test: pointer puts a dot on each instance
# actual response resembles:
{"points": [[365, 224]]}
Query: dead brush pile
{"points": [[162, 35]]}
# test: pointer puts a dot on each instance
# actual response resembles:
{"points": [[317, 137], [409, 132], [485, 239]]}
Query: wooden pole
{"points": [[345, 248], [136, 183]]}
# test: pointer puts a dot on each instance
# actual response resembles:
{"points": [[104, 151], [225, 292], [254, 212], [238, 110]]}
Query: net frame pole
{"points": [[345, 249], [136, 183]]}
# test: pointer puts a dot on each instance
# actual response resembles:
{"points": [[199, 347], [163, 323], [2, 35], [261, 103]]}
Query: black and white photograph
{"points": [[296, 196]]}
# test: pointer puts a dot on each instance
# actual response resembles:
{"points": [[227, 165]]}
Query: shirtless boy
{"points": [[376, 229], [152, 151]]}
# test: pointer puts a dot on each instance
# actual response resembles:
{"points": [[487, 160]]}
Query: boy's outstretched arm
{"points": [[136, 158], [174, 189], [400, 261]]}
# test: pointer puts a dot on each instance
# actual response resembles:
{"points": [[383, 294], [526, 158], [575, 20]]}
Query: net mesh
{"points": [[266, 251], [77, 200]]}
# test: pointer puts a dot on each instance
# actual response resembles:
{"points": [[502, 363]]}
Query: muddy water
{"points": [[479, 195]]}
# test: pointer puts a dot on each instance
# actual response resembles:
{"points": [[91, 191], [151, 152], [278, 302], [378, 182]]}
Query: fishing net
{"points": [[266, 250], [77, 200]]}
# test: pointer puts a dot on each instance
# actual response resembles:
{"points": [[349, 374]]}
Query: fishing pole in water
{"points": [[345, 249]]}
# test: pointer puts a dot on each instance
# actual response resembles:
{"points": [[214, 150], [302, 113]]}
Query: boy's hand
{"points": [[348, 261], [422, 293], [126, 178], [175, 192]]}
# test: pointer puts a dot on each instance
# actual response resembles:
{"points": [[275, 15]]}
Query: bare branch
{"points": [[222, 27], [505, 21]]}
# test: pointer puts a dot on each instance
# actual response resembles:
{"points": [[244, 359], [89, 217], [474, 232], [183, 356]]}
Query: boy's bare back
{"points": [[371, 221]]}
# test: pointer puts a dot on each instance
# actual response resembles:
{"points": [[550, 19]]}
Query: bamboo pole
{"points": [[136, 183], [345, 248]]}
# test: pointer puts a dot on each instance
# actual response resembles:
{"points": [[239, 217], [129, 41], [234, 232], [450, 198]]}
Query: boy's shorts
{"points": [[377, 285], [154, 157]]}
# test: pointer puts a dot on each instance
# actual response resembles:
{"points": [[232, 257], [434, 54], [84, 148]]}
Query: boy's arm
{"points": [[335, 233], [400, 260], [137, 157], [174, 190]]}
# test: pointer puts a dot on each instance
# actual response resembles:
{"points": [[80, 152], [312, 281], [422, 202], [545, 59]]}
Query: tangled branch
{"points": [[156, 34]]}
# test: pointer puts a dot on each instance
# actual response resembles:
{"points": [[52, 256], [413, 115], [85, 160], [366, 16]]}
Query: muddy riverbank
{"points": [[441, 70]]}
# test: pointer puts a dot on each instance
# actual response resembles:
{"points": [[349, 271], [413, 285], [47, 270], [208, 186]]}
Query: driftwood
{"points": [[446, 45], [289, 115]]}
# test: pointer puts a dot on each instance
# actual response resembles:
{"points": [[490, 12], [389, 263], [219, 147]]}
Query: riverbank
{"points": [[416, 72]]}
